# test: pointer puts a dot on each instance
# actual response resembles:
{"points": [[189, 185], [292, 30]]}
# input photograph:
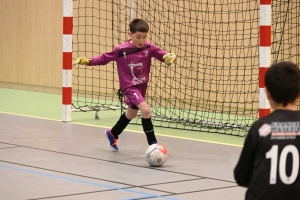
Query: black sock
{"points": [[120, 126], [149, 131]]}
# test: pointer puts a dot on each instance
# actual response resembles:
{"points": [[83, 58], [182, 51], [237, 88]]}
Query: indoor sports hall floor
{"points": [[44, 158]]}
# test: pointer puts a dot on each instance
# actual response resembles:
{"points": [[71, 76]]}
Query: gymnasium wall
{"points": [[31, 45]]}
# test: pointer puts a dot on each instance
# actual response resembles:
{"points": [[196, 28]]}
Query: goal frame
{"points": [[67, 63]]}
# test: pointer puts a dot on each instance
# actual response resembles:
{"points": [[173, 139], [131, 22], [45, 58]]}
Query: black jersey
{"points": [[269, 162]]}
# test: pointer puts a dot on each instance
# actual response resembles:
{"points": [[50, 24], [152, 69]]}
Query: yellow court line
{"points": [[78, 123], [30, 116]]}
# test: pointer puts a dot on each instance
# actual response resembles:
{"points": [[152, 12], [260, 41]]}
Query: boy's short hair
{"points": [[139, 25], [282, 80]]}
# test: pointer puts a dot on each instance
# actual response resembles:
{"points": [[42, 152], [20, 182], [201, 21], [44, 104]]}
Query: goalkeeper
{"points": [[133, 59]]}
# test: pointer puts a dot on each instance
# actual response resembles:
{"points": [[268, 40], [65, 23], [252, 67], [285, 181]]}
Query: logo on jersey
{"points": [[264, 130], [137, 73], [146, 53], [280, 130], [285, 130]]}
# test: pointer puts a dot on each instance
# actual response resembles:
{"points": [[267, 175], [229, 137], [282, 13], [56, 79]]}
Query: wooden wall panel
{"points": [[32, 48]]}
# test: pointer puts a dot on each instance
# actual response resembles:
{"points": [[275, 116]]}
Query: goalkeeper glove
{"points": [[169, 58], [82, 61]]}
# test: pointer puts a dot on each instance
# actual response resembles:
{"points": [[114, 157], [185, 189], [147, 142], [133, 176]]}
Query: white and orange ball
{"points": [[156, 155]]}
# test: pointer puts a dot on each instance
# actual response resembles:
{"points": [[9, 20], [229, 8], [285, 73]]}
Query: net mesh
{"points": [[213, 86]]}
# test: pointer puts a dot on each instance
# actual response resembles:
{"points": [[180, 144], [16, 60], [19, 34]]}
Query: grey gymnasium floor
{"points": [[48, 159]]}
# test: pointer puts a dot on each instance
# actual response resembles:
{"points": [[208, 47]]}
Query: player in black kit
{"points": [[269, 162]]}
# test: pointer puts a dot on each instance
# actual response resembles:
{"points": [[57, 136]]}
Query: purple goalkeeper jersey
{"points": [[133, 63]]}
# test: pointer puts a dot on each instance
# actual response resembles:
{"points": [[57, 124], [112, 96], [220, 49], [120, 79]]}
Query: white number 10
{"points": [[273, 155]]}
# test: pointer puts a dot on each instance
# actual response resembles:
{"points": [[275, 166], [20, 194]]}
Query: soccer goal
{"points": [[224, 48]]}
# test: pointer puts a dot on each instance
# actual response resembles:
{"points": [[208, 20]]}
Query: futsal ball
{"points": [[156, 155]]}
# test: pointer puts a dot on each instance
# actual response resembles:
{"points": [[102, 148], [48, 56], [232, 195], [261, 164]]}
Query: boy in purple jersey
{"points": [[133, 59], [269, 162]]}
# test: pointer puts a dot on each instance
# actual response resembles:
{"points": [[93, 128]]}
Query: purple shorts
{"points": [[135, 95]]}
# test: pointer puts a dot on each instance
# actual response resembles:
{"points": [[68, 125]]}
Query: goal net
{"points": [[213, 87]]}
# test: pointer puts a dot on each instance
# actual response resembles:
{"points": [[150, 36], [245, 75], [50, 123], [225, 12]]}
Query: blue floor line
{"points": [[90, 183]]}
